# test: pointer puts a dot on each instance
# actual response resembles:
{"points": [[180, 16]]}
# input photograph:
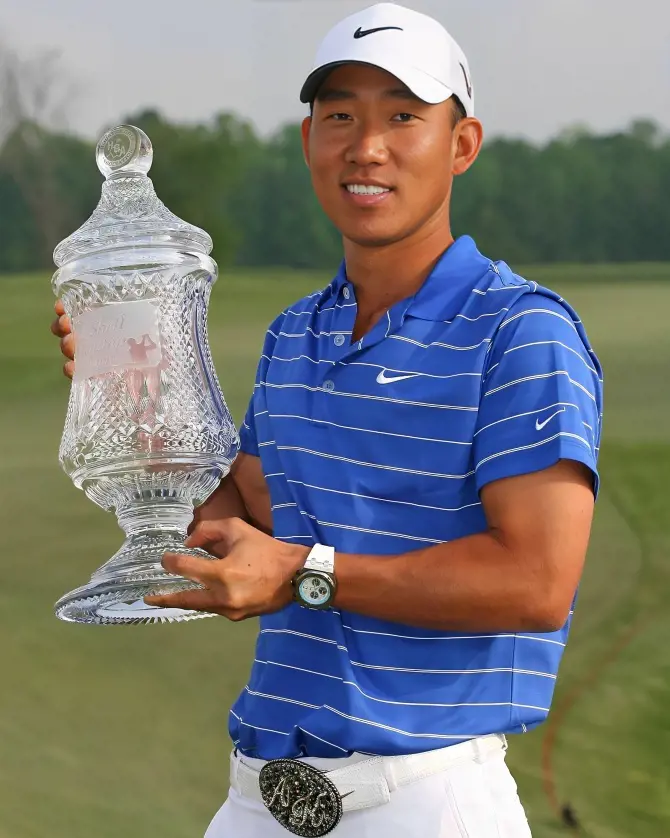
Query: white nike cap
{"points": [[411, 46]]}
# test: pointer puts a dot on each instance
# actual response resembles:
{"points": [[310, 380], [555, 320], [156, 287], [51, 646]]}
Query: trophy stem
{"points": [[155, 513], [115, 594]]}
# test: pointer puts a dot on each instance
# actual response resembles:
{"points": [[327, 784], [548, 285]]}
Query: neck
{"points": [[382, 276]]}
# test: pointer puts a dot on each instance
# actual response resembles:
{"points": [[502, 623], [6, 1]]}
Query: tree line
{"points": [[577, 198]]}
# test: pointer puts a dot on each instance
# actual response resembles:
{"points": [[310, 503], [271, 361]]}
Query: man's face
{"points": [[367, 128]]}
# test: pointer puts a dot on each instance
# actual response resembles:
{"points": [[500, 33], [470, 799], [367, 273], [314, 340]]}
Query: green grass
{"points": [[122, 731]]}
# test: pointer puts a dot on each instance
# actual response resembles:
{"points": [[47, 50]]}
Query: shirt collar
{"points": [[340, 279], [448, 285]]}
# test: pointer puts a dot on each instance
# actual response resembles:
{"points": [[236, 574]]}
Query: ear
{"points": [[304, 132], [468, 138]]}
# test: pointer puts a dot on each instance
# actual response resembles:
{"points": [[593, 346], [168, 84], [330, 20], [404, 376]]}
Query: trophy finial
{"points": [[125, 150], [129, 212]]}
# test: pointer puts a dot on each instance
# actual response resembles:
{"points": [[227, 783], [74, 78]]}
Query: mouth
{"points": [[366, 194]]}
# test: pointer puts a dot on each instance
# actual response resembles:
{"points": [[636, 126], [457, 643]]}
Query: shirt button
{"points": [[328, 385], [339, 340], [345, 293]]}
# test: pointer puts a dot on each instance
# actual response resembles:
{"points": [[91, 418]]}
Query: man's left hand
{"points": [[253, 575]]}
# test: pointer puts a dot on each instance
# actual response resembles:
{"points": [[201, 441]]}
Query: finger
{"points": [[67, 346], [65, 324], [220, 530], [68, 369], [61, 326], [191, 567], [188, 600], [59, 308], [197, 515]]}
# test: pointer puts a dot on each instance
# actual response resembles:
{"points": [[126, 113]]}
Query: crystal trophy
{"points": [[148, 433]]}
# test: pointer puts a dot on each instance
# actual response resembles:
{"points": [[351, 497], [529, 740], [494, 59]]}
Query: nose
{"points": [[367, 147]]}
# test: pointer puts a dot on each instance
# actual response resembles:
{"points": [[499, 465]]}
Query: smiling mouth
{"points": [[363, 189]]}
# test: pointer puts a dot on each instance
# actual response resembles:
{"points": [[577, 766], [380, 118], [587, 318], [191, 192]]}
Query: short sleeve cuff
{"points": [[529, 460], [248, 443]]}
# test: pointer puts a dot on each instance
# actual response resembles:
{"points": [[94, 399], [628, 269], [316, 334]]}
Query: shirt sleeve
{"points": [[248, 440], [247, 430], [541, 398]]}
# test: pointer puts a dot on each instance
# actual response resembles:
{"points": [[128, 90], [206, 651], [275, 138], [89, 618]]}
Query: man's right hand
{"points": [[62, 328]]}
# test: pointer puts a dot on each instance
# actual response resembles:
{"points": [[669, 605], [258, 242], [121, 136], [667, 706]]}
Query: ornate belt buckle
{"points": [[302, 798]]}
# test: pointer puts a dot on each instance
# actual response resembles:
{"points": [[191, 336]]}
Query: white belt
{"points": [[370, 782]]}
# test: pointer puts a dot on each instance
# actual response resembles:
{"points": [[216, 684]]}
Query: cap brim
{"points": [[421, 84]]}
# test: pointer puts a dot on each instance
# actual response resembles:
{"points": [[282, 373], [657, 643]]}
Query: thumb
{"points": [[208, 532]]}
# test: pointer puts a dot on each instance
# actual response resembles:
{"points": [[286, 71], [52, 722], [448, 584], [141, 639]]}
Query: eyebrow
{"points": [[336, 94]]}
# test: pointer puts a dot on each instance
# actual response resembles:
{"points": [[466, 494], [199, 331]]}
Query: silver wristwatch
{"points": [[314, 585]]}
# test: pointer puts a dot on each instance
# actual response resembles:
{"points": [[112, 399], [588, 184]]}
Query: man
{"points": [[411, 507]]}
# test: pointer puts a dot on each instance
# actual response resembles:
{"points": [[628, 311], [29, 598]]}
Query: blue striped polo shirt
{"points": [[382, 446]]}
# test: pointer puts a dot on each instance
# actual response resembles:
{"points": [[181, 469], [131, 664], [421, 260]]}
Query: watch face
{"points": [[314, 591]]}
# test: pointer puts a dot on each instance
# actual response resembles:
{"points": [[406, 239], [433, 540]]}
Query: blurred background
{"points": [[122, 731]]}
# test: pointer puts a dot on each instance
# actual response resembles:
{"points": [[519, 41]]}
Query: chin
{"points": [[372, 235], [374, 241]]}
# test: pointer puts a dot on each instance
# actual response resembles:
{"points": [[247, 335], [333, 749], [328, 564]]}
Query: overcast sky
{"points": [[537, 65]]}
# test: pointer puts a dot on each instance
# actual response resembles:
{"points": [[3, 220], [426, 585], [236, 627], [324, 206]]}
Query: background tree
{"points": [[577, 198]]}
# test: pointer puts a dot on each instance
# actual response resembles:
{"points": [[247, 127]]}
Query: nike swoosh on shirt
{"points": [[382, 378], [539, 425]]}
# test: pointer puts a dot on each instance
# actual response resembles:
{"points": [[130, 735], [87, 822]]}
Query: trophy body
{"points": [[148, 433]]}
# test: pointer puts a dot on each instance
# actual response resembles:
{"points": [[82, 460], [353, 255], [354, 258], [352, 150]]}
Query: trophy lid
{"points": [[129, 212]]}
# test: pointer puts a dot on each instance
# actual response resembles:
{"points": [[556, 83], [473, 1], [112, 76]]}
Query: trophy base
{"points": [[115, 593]]}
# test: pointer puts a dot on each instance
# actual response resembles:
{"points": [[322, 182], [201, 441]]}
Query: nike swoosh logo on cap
{"points": [[539, 425], [467, 82], [382, 378], [361, 33]]}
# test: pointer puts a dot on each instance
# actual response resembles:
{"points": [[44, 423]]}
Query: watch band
{"points": [[321, 557]]}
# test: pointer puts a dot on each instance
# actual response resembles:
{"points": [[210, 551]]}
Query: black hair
{"points": [[459, 112], [457, 109]]}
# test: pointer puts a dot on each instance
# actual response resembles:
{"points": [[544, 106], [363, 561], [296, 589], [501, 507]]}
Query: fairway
{"points": [[122, 732]]}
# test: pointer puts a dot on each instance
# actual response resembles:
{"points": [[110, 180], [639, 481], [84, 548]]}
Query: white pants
{"points": [[471, 799]]}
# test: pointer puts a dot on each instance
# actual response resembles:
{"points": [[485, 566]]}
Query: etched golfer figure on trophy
{"points": [[148, 433]]}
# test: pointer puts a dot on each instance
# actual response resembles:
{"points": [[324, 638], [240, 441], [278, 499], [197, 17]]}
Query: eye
{"points": [[339, 117], [404, 117]]}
